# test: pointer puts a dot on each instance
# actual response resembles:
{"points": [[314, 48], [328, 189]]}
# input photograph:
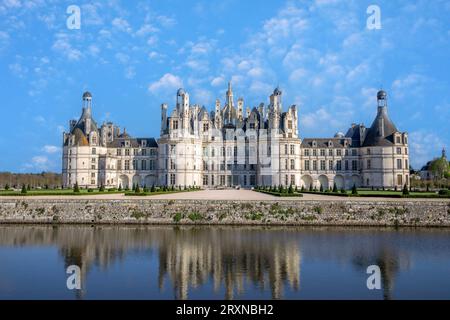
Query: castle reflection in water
{"points": [[229, 258]]}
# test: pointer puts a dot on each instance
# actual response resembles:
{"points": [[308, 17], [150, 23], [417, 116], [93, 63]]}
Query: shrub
{"points": [[137, 189], [76, 188], [195, 216], [120, 187], [24, 190], [7, 187], [321, 188], [102, 188], [354, 190], [290, 190], [343, 190], [177, 217], [335, 189], [405, 190], [152, 189], [90, 190]]}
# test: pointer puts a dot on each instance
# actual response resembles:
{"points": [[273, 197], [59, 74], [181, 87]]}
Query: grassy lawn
{"points": [[158, 192], [57, 192], [384, 193]]}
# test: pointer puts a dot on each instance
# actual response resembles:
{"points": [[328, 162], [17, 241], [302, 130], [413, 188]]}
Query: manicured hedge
{"points": [[278, 194]]}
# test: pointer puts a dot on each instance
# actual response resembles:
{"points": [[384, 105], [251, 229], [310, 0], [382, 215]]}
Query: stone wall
{"points": [[285, 212]]}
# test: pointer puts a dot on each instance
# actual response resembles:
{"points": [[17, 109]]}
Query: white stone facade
{"points": [[234, 146]]}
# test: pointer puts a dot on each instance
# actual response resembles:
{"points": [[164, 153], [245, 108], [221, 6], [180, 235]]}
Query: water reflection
{"points": [[232, 261]]}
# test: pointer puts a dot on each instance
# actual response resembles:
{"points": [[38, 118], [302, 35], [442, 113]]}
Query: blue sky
{"points": [[133, 55]]}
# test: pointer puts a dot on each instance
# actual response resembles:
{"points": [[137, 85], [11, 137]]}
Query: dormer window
{"points": [[330, 144], [398, 140], [144, 143], [314, 144]]}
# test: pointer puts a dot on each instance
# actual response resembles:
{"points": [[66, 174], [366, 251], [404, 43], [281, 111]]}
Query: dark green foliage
{"points": [[76, 188], [354, 190]]}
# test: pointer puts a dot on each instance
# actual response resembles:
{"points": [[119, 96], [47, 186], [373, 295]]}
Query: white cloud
{"points": [[166, 83], [217, 81], [63, 45], [130, 72], [51, 149], [411, 83], [122, 57], [122, 25], [18, 70], [424, 146], [146, 29]]}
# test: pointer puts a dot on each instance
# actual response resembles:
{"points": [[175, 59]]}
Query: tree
{"points": [[76, 188], [24, 189], [7, 187], [290, 190], [120, 187], [152, 189], [354, 190], [137, 189], [405, 190], [310, 187], [102, 188], [335, 189], [321, 188], [439, 167]]}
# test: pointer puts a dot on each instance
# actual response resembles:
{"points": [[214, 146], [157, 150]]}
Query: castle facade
{"points": [[234, 145]]}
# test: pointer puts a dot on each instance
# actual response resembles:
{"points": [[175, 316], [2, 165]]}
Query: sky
{"points": [[134, 55]]}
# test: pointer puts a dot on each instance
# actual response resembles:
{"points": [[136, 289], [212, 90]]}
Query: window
{"points": [[406, 164], [127, 152], [354, 165], [135, 152], [213, 152], [306, 152], [399, 150], [397, 140], [330, 152], [314, 165], [205, 180], [152, 165], [245, 180], [172, 149], [314, 152], [346, 152], [223, 151], [144, 152], [292, 179], [205, 129], [286, 180], [292, 149], [322, 152], [212, 180], [400, 179], [307, 165], [406, 150], [289, 124], [368, 151], [286, 164], [399, 164], [369, 164], [175, 125], [354, 152], [119, 164], [330, 165], [94, 151], [322, 165], [143, 165], [93, 167], [338, 165], [292, 164], [172, 179], [346, 165], [127, 164], [135, 165], [172, 164], [339, 152], [285, 149]]}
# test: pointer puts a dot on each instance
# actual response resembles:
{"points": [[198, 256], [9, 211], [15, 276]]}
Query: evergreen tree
{"points": [[310, 187], [76, 188], [335, 189], [405, 190], [354, 190], [7, 187], [102, 188], [137, 189], [290, 190], [120, 187], [24, 189], [321, 188], [152, 189]]}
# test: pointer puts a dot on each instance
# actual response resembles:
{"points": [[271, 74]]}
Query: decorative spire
{"points": [[443, 153]]}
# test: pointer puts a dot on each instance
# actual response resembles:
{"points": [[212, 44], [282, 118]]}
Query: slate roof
{"points": [[134, 142]]}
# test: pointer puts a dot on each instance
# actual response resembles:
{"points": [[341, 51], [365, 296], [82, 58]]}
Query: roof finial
{"points": [[443, 152]]}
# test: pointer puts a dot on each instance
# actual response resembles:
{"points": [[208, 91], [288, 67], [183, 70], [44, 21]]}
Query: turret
{"points": [[163, 118]]}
